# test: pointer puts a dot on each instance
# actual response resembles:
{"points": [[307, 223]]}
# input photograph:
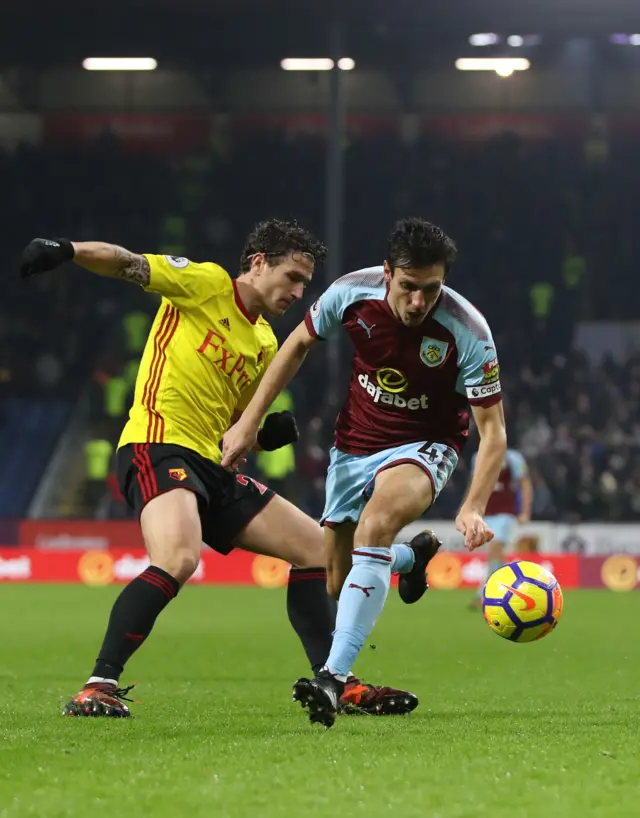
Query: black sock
{"points": [[312, 613], [132, 618]]}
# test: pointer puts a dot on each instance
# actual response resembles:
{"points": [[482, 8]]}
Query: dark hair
{"points": [[276, 239], [416, 243]]}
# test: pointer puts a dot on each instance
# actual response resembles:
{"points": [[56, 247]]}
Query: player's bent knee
{"points": [[180, 562], [301, 560], [173, 533], [378, 528], [309, 555]]}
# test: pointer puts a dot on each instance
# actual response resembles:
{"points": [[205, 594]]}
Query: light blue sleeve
{"points": [[479, 377], [479, 370], [325, 316], [517, 464]]}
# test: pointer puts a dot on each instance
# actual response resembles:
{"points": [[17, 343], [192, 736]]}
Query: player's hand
{"points": [[41, 255], [524, 518], [237, 442], [476, 532]]}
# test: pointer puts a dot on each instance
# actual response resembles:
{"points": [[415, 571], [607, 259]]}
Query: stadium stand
{"points": [[535, 229]]}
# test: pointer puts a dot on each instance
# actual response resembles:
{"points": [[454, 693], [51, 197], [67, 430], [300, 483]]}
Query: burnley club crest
{"points": [[433, 352]]}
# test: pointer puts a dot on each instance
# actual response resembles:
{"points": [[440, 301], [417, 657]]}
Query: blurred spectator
{"points": [[136, 325], [98, 453]]}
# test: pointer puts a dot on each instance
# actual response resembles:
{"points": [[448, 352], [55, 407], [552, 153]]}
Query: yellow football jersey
{"points": [[203, 359]]}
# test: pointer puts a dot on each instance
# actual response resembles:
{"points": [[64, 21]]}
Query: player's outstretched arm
{"points": [[241, 437], [112, 261], [491, 452], [109, 260]]}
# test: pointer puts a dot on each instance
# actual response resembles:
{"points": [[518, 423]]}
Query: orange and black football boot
{"points": [[100, 699], [413, 584], [362, 699]]}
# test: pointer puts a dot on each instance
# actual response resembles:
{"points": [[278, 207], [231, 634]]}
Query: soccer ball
{"points": [[522, 601]]}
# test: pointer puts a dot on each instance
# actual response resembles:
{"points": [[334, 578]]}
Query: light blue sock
{"points": [[492, 565], [402, 558], [361, 602]]}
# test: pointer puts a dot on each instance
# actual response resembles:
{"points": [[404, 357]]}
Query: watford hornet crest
{"points": [[178, 474]]}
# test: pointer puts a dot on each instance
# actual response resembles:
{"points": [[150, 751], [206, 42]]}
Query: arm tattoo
{"points": [[131, 267]]}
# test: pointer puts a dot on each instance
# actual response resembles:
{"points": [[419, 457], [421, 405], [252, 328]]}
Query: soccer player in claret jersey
{"points": [[207, 350], [421, 357], [510, 503]]}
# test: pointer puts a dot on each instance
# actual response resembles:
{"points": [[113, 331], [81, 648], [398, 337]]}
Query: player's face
{"points": [[283, 282], [413, 292]]}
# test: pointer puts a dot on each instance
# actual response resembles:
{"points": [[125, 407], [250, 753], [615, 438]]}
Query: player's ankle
{"points": [[339, 677], [101, 680]]}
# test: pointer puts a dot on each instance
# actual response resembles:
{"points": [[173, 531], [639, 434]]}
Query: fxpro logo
{"points": [[390, 382]]}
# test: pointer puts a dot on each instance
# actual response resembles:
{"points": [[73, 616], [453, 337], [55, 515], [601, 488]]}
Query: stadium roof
{"points": [[466, 13], [260, 32]]}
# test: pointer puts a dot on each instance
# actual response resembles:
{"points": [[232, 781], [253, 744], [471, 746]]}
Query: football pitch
{"points": [[503, 730]]}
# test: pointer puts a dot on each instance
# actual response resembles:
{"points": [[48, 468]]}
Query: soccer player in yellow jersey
{"points": [[207, 350]]}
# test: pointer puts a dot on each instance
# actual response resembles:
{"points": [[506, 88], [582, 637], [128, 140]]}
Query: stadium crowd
{"points": [[538, 237]]}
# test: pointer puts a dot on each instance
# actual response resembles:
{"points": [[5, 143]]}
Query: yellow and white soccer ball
{"points": [[522, 601]]}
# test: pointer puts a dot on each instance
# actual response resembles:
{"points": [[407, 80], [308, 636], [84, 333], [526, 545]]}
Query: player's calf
{"points": [[361, 602], [283, 531], [180, 564], [171, 528]]}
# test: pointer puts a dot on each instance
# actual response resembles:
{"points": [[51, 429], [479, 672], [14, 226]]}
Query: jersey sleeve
{"points": [[517, 464], [325, 316], [180, 280], [480, 372], [478, 368]]}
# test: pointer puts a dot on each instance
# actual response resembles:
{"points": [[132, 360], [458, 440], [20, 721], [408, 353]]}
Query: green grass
{"points": [[503, 730]]}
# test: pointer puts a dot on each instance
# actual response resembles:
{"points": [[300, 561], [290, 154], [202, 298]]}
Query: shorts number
{"points": [[429, 453], [244, 481]]}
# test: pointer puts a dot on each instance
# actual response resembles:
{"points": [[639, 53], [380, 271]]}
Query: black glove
{"points": [[41, 255], [279, 429]]}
